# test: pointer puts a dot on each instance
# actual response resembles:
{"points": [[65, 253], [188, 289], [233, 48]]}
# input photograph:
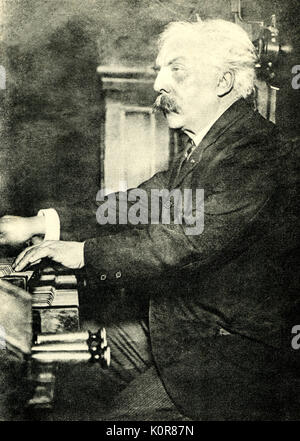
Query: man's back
{"points": [[228, 316]]}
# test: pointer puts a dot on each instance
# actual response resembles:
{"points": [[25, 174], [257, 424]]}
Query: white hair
{"points": [[225, 45]]}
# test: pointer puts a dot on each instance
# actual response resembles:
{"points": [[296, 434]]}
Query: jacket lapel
{"points": [[178, 162], [226, 121]]}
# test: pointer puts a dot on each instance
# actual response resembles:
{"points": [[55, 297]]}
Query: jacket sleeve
{"points": [[79, 222], [230, 205]]}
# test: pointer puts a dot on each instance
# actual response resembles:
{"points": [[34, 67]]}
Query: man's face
{"points": [[187, 86]]}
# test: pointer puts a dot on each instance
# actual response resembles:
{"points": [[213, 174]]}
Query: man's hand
{"points": [[69, 254], [15, 229]]}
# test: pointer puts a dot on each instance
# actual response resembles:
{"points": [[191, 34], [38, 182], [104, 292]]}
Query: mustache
{"points": [[166, 104]]}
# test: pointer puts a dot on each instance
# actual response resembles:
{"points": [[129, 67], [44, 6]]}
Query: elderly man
{"points": [[218, 331]]}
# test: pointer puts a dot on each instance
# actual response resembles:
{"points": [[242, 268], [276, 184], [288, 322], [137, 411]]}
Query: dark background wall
{"points": [[51, 108]]}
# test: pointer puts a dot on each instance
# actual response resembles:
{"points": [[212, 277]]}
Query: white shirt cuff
{"points": [[52, 223], [81, 264]]}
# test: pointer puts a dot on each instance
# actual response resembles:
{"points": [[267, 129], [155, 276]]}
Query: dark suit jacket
{"points": [[222, 303]]}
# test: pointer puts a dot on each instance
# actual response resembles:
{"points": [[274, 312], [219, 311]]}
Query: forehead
{"points": [[179, 50]]}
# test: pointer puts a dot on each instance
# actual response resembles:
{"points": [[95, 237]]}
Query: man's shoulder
{"points": [[249, 151], [255, 123], [241, 130], [252, 134], [269, 139]]}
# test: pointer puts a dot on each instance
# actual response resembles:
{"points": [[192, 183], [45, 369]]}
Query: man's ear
{"points": [[225, 84]]}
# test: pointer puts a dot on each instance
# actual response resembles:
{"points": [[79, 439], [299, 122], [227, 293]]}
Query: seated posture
{"points": [[222, 294]]}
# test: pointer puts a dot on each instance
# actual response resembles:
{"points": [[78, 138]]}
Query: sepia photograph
{"points": [[149, 226]]}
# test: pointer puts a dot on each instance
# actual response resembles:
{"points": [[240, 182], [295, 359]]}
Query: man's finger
{"points": [[36, 240], [33, 255], [21, 255], [2, 239], [5, 219]]}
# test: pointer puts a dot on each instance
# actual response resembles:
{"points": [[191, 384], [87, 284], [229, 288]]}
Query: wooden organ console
{"points": [[55, 309], [56, 334]]}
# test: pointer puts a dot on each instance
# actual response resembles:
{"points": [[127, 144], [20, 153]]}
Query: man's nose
{"points": [[161, 82]]}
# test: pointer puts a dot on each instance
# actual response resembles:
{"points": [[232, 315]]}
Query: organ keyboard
{"points": [[56, 334], [55, 308]]}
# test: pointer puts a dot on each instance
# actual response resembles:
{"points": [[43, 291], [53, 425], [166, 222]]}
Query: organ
{"points": [[134, 144], [56, 335]]}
